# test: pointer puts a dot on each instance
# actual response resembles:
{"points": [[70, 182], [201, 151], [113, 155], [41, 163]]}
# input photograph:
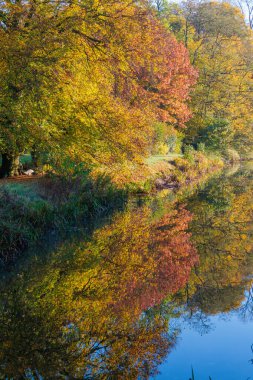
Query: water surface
{"points": [[159, 290]]}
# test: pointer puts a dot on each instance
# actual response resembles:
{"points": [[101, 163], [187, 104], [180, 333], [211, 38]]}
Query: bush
{"points": [[217, 135], [211, 134], [182, 164], [189, 153], [201, 147], [167, 139]]}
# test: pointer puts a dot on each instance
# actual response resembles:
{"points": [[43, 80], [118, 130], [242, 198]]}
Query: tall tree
{"points": [[88, 80], [221, 48]]}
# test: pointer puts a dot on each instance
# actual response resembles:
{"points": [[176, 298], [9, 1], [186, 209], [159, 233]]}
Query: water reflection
{"points": [[83, 311], [105, 309], [222, 231]]}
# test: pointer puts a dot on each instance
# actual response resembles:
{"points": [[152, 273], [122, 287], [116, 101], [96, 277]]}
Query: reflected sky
{"points": [[223, 353]]}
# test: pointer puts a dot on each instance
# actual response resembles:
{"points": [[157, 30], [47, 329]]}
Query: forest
{"points": [[103, 85], [126, 180], [102, 99]]}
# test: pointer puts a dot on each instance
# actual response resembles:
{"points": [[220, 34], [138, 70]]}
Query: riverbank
{"points": [[31, 209], [173, 173]]}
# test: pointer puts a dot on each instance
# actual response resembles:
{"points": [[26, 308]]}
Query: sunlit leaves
{"points": [[89, 79]]}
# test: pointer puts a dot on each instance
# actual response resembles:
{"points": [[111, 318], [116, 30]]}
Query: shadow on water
{"points": [[103, 307]]}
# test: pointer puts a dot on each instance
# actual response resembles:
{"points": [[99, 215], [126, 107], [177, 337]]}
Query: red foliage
{"points": [[151, 69], [165, 267]]}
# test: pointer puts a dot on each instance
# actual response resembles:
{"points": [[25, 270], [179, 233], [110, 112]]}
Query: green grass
{"points": [[169, 157], [27, 190], [31, 208], [22, 220]]}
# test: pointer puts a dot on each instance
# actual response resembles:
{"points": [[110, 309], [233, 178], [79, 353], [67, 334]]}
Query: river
{"points": [[160, 290]]}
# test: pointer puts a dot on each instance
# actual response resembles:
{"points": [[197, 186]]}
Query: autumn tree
{"points": [[220, 46], [87, 80]]}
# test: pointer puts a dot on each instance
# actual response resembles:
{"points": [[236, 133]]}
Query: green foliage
{"points": [[98, 196], [217, 135], [68, 168], [140, 187], [214, 135], [166, 140], [57, 203], [189, 153], [201, 147], [21, 221]]}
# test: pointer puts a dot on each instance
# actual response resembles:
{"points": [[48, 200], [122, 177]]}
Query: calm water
{"points": [[159, 290]]}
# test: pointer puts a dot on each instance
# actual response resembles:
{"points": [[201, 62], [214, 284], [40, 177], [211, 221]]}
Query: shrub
{"points": [[182, 164], [201, 147], [167, 139], [189, 153], [217, 135]]}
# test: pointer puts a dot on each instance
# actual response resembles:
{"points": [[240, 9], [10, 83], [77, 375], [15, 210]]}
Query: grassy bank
{"points": [[29, 209], [170, 172]]}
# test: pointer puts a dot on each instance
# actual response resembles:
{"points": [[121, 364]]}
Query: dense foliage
{"points": [[101, 306], [220, 46], [97, 82], [87, 80]]}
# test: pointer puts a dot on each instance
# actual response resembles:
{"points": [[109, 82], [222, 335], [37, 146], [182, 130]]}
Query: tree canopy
{"points": [[220, 46], [88, 79]]}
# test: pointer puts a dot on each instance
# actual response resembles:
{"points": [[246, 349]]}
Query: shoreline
{"points": [[31, 209]]}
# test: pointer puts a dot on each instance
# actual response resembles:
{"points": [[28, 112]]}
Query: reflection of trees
{"points": [[85, 312], [222, 232], [95, 309], [246, 309], [199, 321]]}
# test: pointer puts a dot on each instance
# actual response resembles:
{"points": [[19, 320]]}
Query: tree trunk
{"points": [[10, 165], [35, 158]]}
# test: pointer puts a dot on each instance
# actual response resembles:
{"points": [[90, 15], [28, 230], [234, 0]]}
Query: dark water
{"points": [[162, 290]]}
